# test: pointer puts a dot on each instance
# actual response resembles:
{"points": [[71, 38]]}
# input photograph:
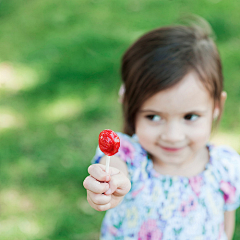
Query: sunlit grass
{"points": [[14, 78], [14, 221], [10, 119], [61, 109]]}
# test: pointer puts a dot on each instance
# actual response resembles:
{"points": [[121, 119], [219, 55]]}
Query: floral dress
{"points": [[163, 207]]}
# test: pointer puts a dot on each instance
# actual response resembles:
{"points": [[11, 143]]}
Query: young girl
{"points": [[167, 181]]}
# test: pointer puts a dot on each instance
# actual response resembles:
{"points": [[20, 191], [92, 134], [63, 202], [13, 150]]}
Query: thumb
{"points": [[113, 171], [119, 184]]}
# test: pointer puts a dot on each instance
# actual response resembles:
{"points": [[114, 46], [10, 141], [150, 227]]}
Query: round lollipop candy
{"points": [[109, 144]]}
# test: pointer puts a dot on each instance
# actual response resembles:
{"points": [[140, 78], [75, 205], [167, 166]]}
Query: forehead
{"points": [[188, 95]]}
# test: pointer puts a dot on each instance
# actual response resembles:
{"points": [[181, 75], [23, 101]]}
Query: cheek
{"points": [[201, 134], [144, 132]]}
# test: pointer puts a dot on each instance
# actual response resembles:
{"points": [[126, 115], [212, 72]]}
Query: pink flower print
{"points": [[195, 183], [184, 208], [187, 206], [228, 191], [135, 193], [149, 231], [126, 150], [192, 203], [113, 230]]}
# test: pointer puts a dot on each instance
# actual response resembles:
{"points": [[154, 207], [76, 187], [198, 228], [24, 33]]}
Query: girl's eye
{"points": [[191, 117], [154, 118]]}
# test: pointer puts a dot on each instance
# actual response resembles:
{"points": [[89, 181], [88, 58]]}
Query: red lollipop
{"points": [[109, 144]]}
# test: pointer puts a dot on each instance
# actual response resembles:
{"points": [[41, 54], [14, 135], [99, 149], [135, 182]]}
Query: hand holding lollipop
{"points": [[109, 144], [111, 188]]}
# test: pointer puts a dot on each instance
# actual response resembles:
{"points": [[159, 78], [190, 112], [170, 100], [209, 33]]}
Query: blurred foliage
{"points": [[59, 76]]}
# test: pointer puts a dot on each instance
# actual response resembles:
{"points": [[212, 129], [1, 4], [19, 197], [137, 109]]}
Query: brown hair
{"points": [[161, 58]]}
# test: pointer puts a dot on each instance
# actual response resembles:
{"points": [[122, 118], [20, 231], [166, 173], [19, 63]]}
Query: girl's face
{"points": [[174, 125]]}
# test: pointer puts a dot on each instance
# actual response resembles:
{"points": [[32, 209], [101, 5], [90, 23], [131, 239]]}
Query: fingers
{"points": [[99, 202], [118, 181], [114, 185], [95, 186], [119, 185], [98, 172], [96, 182]]}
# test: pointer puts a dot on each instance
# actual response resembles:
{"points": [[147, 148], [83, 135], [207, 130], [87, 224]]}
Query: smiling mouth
{"points": [[168, 149]]}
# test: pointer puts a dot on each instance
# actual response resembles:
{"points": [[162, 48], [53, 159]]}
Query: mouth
{"points": [[169, 149]]}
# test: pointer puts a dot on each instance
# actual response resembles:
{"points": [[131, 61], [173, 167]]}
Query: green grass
{"points": [[59, 76]]}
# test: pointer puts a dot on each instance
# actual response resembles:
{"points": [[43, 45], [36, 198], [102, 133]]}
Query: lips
{"points": [[170, 149]]}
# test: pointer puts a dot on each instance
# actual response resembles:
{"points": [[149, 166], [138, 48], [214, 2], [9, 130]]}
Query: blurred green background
{"points": [[59, 79]]}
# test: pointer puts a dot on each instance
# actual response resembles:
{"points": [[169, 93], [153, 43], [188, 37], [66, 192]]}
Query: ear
{"points": [[219, 106], [121, 93]]}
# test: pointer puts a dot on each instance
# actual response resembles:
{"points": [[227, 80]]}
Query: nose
{"points": [[173, 132]]}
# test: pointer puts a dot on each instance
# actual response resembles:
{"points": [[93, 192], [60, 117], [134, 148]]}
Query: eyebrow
{"points": [[156, 112], [148, 110]]}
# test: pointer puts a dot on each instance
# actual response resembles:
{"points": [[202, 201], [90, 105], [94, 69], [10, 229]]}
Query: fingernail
{"points": [[108, 191]]}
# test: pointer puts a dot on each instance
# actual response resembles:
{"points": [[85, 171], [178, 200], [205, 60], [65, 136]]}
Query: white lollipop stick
{"points": [[107, 163]]}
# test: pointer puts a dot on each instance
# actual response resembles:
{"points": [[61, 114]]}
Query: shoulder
{"points": [[129, 141], [226, 163], [224, 156], [129, 148], [223, 150]]}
